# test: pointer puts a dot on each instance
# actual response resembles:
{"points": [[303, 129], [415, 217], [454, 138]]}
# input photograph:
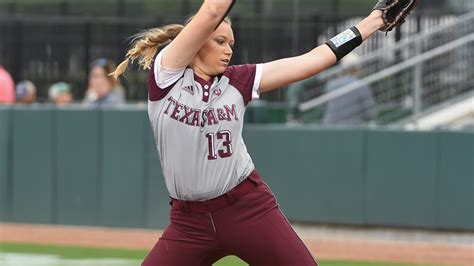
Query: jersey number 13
{"points": [[227, 145]]}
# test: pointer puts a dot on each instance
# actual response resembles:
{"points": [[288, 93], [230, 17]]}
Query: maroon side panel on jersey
{"points": [[242, 77]]}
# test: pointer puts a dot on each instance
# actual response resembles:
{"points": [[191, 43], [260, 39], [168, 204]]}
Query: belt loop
{"points": [[255, 177], [184, 206]]}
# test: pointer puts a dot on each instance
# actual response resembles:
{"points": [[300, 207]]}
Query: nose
{"points": [[228, 50]]}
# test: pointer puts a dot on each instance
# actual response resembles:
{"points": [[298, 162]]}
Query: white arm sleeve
{"points": [[256, 81], [165, 77]]}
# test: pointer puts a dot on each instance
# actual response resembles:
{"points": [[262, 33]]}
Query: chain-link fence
{"points": [[49, 41], [402, 80]]}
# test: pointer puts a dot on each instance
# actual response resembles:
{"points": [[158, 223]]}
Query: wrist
{"points": [[371, 24], [345, 42]]}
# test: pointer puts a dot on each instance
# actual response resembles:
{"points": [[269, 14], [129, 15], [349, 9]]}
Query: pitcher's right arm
{"points": [[181, 51]]}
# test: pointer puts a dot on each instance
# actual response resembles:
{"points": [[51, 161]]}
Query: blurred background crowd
{"points": [[102, 90]]}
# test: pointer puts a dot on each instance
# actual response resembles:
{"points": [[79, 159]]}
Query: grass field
{"points": [[17, 254]]}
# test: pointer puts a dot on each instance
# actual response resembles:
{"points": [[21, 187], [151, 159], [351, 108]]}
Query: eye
{"points": [[220, 41]]}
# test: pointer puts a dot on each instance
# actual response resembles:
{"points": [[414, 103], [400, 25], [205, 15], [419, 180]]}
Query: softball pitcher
{"points": [[220, 204]]}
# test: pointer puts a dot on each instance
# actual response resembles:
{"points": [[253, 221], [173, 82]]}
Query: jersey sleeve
{"points": [[165, 77], [246, 79], [162, 79]]}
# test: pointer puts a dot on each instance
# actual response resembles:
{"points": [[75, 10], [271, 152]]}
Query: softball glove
{"points": [[395, 11]]}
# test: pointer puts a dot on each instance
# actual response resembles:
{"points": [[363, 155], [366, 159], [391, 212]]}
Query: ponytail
{"points": [[145, 45]]}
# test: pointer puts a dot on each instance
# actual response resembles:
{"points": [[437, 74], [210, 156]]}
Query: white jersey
{"points": [[197, 126]]}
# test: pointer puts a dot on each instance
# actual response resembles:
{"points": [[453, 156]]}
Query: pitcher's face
{"points": [[215, 55]]}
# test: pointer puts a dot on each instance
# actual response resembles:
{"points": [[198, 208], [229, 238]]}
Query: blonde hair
{"points": [[145, 45]]}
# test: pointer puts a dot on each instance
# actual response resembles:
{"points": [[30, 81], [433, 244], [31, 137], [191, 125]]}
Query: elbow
{"points": [[217, 9], [213, 15]]}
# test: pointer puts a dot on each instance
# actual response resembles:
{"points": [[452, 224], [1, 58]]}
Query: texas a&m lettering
{"points": [[197, 117]]}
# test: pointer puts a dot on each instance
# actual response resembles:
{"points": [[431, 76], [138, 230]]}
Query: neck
{"points": [[198, 71]]}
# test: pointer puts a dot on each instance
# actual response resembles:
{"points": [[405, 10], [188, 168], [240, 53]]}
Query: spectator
{"points": [[7, 87], [25, 92], [60, 94], [354, 108], [104, 90]]}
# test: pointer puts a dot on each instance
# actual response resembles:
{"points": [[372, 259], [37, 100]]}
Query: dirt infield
{"points": [[333, 249]]}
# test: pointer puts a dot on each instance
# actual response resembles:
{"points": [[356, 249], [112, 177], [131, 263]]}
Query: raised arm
{"points": [[279, 73], [185, 46]]}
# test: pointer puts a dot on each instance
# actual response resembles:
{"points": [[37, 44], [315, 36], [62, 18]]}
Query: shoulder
{"points": [[246, 79], [240, 72], [161, 80]]}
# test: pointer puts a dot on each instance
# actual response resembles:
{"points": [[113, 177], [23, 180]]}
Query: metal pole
{"points": [[87, 52], [260, 26], [296, 27], [293, 91], [335, 10], [121, 8], [337, 7], [12, 7], [417, 83], [64, 8], [18, 52]]}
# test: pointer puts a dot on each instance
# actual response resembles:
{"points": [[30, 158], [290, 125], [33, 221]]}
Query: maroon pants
{"points": [[245, 222]]}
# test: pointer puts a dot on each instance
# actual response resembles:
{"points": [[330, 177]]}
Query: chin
{"points": [[220, 71], [223, 68]]}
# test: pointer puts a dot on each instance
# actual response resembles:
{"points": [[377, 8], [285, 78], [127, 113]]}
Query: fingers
{"points": [[377, 18]]}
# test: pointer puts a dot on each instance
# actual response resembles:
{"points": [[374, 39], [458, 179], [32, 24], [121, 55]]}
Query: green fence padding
{"points": [[122, 173], [77, 157], [455, 186], [5, 149], [100, 167], [401, 174], [33, 165], [278, 115], [317, 175], [157, 201]]}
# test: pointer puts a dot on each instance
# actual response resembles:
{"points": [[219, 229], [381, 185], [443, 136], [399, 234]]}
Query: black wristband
{"points": [[345, 42]]}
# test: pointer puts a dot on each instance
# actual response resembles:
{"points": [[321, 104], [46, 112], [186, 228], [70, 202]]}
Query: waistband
{"points": [[229, 198]]}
